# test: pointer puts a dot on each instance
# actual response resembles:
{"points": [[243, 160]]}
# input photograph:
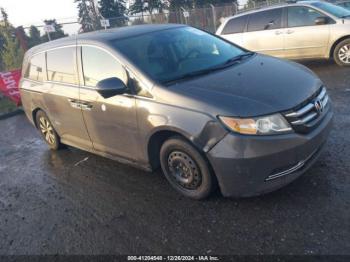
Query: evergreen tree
{"points": [[150, 6], [113, 9], [22, 37], [4, 18], [206, 3], [176, 5], [87, 16], [11, 53], [34, 36], [59, 33]]}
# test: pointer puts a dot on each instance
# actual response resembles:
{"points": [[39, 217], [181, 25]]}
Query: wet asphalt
{"points": [[73, 202]]}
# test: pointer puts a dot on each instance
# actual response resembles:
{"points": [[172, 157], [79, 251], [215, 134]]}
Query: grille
{"points": [[309, 115]]}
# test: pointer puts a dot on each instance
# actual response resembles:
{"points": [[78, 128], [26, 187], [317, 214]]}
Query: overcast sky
{"points": [[27, 12]]}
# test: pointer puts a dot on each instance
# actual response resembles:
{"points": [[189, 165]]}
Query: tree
{"points": [[11, 53], [113, 9], [59, 33], [206, 3], [150, 6], [176, 5], [88, 17], [34, 36], [22, 37], [4, 18]]}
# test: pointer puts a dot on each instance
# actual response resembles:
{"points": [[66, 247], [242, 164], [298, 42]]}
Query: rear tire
{"points": [[47, 131], [186, 169], [341, 53]]}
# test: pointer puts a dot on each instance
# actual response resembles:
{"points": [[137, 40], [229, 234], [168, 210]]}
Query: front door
{"points": [[303, 38], [264, 33], [111, 122]]}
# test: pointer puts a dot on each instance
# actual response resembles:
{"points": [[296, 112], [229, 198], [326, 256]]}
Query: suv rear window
{"points": [[61, 65], [265, 20], [235, 25], [36, 68]]}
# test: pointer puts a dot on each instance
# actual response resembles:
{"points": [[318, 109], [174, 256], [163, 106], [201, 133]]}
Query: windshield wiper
{"points": [[239, 58], [345, 16], [227, 63], [192, 74]]}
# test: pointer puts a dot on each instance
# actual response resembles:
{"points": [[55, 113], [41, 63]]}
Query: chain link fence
{"points": [[208, 19], [204, 18]]}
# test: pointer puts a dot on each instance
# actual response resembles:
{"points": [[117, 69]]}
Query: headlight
{"points": [[264, 125]]}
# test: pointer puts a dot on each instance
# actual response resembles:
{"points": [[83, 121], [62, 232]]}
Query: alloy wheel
{"points": [[344, 54], [47, 130]]}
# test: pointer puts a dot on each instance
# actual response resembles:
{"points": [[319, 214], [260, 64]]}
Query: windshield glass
{"points": [[335, 10], [169, 54]]}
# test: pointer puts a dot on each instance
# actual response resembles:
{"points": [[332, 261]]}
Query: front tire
{"points": [[47, 131], [342, 53], [186, 169]]}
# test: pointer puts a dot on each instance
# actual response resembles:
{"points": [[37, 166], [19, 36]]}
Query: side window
{"points": [[265, 20], [61, 65], [99, 65], [235, 25], [36, 68], [302, 16]]}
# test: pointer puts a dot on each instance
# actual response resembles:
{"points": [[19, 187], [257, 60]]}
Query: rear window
{"points": [[36, 68], [265, 20], [235, 25], [61, 65]]}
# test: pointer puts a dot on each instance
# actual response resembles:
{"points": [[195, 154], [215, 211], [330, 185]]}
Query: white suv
{"points": [[302, 30]]}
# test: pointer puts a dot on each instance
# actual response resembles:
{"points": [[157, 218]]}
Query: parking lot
{"points": [[73, 202]]}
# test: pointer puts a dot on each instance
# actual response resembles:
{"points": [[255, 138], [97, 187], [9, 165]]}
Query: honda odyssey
{"points": [[303, 30], [206, 111]]}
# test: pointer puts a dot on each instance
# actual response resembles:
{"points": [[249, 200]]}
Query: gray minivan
{"points": [[206, 111]]}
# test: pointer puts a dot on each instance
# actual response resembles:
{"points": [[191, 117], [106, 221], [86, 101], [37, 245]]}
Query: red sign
{"points": [[9, 85]]}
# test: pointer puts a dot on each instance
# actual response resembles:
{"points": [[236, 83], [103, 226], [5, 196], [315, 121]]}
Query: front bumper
{"points": [[250, 165]]}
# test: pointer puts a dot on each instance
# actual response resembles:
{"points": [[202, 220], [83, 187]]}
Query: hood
{"points": [[259, 85]]}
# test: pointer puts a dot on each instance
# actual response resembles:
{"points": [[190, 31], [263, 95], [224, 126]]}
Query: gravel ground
{"points": [[73, 202]]}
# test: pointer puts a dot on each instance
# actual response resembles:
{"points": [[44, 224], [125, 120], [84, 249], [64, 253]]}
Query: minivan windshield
{"points": [[335, 10], [173, 54]]}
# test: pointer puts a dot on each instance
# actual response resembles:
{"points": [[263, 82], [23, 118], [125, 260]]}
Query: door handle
{"points": [[85, 106], [74, 103], [79, 105], [290, 32], [278, 32]]}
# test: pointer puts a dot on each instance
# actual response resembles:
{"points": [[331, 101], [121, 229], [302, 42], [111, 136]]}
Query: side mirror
{"points": [[321, 21], [111, 87]]}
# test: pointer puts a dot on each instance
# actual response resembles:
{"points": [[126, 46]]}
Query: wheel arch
{"points": [[157, 139], [34, 113], [331, 52]]}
